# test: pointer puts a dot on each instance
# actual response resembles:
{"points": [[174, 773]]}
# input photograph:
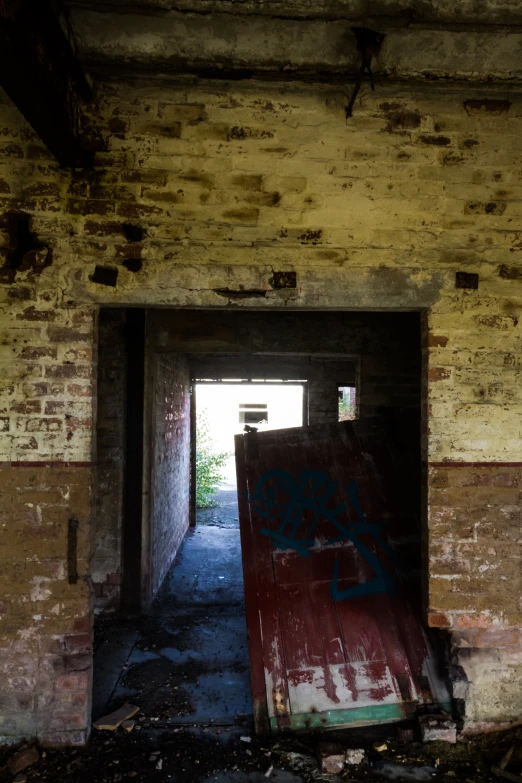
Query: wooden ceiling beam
{"points": [[40, 73]]}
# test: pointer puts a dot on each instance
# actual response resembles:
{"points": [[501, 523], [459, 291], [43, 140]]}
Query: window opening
{"points": [[346, 403], [253, 413]]}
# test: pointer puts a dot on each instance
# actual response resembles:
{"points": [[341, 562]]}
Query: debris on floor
{"points": [[331, 757], [173, 691], [25, 757], [355, 756], [217, 754], [115, 719], [502, 770], [438, 726]]}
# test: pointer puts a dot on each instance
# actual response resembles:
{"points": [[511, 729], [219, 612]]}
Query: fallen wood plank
{"points": [[505, 761], [114, 719], [507, 775]]}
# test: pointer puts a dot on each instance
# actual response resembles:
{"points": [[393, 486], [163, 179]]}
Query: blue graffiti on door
{"points": [[308, 500]]}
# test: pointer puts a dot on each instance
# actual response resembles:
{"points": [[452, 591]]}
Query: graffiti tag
{"points": [[307, 500]]}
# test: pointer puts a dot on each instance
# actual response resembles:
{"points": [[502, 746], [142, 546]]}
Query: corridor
{"points": [[186, 662]]}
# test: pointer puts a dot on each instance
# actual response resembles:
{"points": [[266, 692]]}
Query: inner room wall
{"points": [[110, 458], [170, 465], [382, 352]]}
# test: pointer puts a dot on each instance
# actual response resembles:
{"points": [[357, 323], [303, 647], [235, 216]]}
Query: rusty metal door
{"points": [[330, 541]]}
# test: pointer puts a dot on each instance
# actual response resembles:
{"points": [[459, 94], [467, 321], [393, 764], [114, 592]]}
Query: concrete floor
{"points": [[187, 661]]}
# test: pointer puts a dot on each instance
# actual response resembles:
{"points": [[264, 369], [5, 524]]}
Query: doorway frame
{"points": [[355, 357]]}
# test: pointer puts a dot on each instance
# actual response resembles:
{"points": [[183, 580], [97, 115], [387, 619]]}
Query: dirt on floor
{"points": [[185, 667], [231, 753]]}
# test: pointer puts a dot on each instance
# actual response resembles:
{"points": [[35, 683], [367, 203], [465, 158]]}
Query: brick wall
{"points": [[170, 481], [45, 647], [475, 582], [230, 183], [110, 452]]}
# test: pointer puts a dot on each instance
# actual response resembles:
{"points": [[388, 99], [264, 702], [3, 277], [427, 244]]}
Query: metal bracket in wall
{"points": [[369, 44], [72, 551]]}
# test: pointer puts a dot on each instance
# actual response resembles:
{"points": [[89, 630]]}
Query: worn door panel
{"points": [[331, 541]]}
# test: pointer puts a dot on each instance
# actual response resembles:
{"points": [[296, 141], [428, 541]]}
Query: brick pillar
{"points": [[45, 481]]}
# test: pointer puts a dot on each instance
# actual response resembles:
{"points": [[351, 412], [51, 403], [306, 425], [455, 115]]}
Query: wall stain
{"points": [[510, 272], [490, 105], [229, 293], [398, 118], [314, 237], [25, 251], [237, 133], [437, 141]]}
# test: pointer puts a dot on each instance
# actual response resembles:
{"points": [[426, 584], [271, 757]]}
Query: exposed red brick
{"points": [[39, 389], [77, 390], [438, 620], [64, 334], [83, 625], [29, 406], [437, 341], [30, 445], [43, 425], [52, 407], [78, 355], [439, 373], [78, 642], [67, 720], [74, 423], [472, 621], [32, 314], [67, 371], [38, 353], [72, 682]]}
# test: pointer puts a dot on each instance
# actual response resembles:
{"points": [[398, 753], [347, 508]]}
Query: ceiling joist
{"points": [[41, 75]]}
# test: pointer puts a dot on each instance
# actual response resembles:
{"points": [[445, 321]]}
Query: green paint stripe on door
{"points": [[361, 716]]}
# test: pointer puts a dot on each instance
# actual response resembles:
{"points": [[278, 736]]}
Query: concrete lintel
{"points": [[403, 12], [175, 42]]}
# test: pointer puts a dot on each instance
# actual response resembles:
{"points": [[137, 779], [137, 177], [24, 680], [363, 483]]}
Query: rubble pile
{"points": [[127, 745]]}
